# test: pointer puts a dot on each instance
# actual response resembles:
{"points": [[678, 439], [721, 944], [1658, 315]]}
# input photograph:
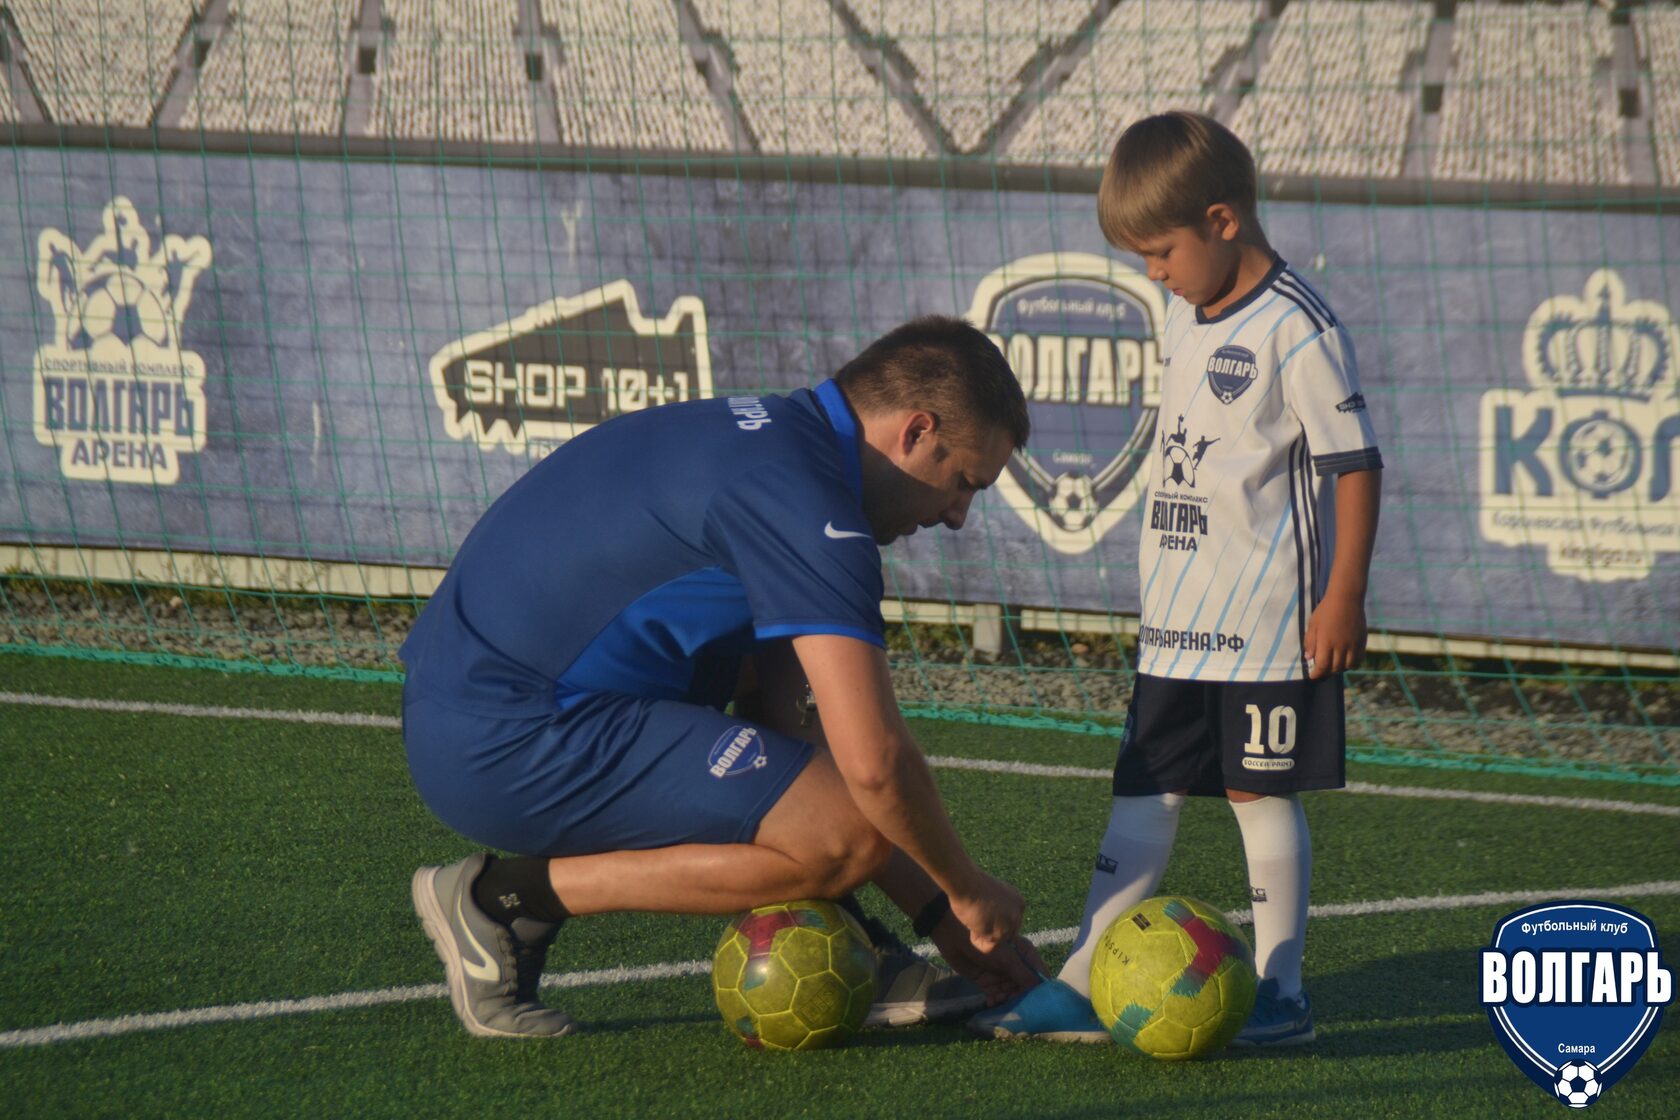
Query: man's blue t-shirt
{"points": [[648, 555]]}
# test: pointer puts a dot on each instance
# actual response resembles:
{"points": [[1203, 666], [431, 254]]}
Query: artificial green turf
{"points": [[156, 863], [1400, 1036], [64, 676]]}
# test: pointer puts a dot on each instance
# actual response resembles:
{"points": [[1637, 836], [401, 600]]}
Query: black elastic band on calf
{"points": [[932, 914]]}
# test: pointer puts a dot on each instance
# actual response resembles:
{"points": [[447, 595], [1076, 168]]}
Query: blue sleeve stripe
{"points": [[1345, 462], [1296, 349], [796, 629], [1294, 280], [1301, 301]]}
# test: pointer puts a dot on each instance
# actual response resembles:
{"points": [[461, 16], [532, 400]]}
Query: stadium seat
{"points": [[452, 72], [100, 62], [1328, 99], [1658, 33], [625, 79], [802, 86], [1148, 56], [278, 66], [970, 56], [1523, 102]]}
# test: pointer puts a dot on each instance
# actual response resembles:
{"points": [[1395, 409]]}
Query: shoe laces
{"points": [[528, 942], [1273, 1007], [528, 961], [886, 942]]}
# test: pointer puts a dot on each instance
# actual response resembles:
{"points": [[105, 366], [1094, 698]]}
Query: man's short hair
{"points": [[946, 366], [1164, 173]]}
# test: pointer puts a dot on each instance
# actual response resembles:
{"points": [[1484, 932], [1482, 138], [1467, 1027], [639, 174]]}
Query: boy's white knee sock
{"points": [[1274, 834], [1129, 866]]}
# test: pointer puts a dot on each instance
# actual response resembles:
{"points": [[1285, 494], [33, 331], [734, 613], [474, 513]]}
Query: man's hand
{"points": [[1336, 636], [991, 911], [1005, 972]]}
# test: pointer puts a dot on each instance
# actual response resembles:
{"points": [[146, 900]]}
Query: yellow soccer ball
{"points": [[1173, 978], [794, 976]]}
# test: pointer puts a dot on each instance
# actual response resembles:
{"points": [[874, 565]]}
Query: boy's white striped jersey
{"points": [[1260, 410]]}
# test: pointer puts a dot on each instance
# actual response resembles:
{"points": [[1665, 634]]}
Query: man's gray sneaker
{"points": [[910, 990], [493, 971]]}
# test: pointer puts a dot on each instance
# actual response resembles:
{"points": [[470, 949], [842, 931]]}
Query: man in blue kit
{"points": [[567, 683]]}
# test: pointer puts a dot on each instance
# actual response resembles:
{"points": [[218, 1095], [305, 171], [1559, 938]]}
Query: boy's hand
{"points": [[1336, 631], [1336, 636]]}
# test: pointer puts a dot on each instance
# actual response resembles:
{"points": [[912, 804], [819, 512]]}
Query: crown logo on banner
{"points": [[1583, 460], [118, 287], [1601, 343]]}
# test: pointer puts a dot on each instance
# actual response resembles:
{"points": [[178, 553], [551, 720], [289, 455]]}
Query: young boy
{"points": [[1256, 546]]}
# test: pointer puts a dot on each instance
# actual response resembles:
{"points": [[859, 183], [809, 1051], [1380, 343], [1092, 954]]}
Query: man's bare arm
{"points": [[889, 780]]}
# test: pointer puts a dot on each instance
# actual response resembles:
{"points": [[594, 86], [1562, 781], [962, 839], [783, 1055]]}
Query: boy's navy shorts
{"points": [[1275, 737], [608, 774]]}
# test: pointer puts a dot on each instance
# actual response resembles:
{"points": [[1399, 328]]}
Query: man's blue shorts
{"points": [[608, 774]]}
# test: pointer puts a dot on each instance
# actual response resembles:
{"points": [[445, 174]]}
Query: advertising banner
{"points": [[346, 362]]}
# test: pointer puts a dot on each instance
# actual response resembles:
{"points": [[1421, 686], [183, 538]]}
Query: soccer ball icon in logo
{"points": [[1601, 454], [794, 976], [1173, 978], [1073, 501], [120, 305], [1577, 1084]]}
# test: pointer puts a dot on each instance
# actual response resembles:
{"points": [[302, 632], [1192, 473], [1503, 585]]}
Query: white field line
{"points": [[949, 762], [1037, 770], [345, 1001], [201, 711]]}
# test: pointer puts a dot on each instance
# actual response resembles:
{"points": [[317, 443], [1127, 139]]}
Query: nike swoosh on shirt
{"points": [[834, 534], [485, 967]]}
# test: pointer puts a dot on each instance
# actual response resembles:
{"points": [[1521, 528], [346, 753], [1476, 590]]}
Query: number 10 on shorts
{"points": [[1279, 727]]}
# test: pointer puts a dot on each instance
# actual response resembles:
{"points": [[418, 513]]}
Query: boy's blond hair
{"points": [[1166, 170]]}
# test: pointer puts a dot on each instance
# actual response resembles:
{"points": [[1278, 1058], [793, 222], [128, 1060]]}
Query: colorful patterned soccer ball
{"points": [[1172, 978], [794, 976], [1577, 1084]]}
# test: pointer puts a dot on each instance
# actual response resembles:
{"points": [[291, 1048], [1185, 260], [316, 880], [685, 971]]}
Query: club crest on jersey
{"points": [[1583, 462], [1575, 992], [562, 367], [740, 750], [1081, 333], [115, 393], [1230, 371]]}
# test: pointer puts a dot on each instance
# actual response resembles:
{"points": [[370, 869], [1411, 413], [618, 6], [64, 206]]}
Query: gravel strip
{"points": [[1538, 713]]}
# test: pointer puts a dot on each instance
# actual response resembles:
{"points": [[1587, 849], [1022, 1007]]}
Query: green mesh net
{"points": [[294, 288]]}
